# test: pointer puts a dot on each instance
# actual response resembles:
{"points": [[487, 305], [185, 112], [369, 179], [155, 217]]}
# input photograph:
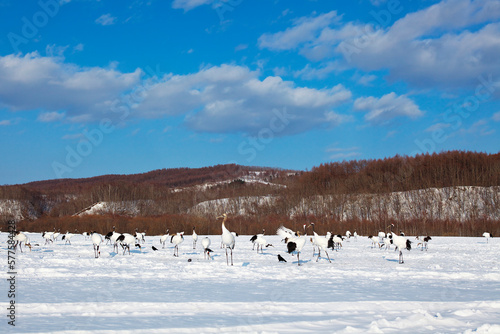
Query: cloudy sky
{"points": [[117, 87]]}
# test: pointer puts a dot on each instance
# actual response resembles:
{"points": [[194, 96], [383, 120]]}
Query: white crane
{"points": [[337, 241], [114, 240], [195, 238], [19, 239], [164, 238], [355, 235], [48, 237], [295, 243], [96, 241], [387, 241], [67, 237], [487, 235], [261, 242], [109, 235], [375, 240], [321, 242], [254, 238], [140, 236], [381, 236], [423, 241], [205, 242], [177, 239], [228, 238], [56, 234], [401, 243], [127, 239]]}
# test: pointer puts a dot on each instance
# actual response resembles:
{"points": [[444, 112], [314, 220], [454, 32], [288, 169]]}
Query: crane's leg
{"points": [[231, 256], [227, 258], [401, 257], [328, 257]]}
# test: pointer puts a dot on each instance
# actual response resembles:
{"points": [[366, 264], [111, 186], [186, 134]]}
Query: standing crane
{"points": [[228, 238]]}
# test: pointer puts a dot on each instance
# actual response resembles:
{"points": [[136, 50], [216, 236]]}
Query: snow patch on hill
{"points": [[16, 209], [123, 208], [454, 203]]}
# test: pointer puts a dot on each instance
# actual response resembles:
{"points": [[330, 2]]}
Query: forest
{"points": [[359, 195]]}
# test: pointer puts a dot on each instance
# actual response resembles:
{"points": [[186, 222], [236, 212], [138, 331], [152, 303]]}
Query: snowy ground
{"points": [[453, 287]]}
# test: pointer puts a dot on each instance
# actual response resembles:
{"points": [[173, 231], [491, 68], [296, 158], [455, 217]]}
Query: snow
{"points": [[454, 287], [450, 203], [128, 208], [243, 205]]}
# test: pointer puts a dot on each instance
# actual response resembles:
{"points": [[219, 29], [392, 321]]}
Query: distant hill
{"points": [[442, 188], [172, 177]]}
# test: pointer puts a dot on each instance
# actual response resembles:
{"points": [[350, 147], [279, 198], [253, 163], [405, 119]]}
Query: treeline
{"points": [[403, 173], [339, 195]]}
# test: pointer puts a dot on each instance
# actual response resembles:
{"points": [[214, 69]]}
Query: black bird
{"points": [[281, 259], [154, 248]]}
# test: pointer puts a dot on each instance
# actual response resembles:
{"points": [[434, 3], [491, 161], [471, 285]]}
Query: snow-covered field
{"points": [[453, 287]]}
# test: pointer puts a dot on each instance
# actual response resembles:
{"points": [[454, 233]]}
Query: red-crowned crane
{"points": [[487, 235], [294, 244], [401, 243], [96, 241], [205, 242], [67, 237], [127, 239], [254, 238], [228, 238], [177, 239], [321, 242], [164, 238], [21, 238], [423, 241], [375, 240], [195, 238]]}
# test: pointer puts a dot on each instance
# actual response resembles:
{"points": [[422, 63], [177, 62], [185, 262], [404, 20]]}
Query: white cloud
{"points": [[310, 73], [231, 98], [496, 116], [366, 80], [480, 127], [79, 47], [241, 47], [304, 30], [343, 153], [187, 5], [437, 126], [5, 122], [447, 44], [76, 136], [106, 20], [50, 116], [389, 106], [33, 82], [217, 99]]}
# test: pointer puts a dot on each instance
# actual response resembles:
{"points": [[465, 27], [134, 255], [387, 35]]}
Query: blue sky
{"points": [[118, 87]]}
